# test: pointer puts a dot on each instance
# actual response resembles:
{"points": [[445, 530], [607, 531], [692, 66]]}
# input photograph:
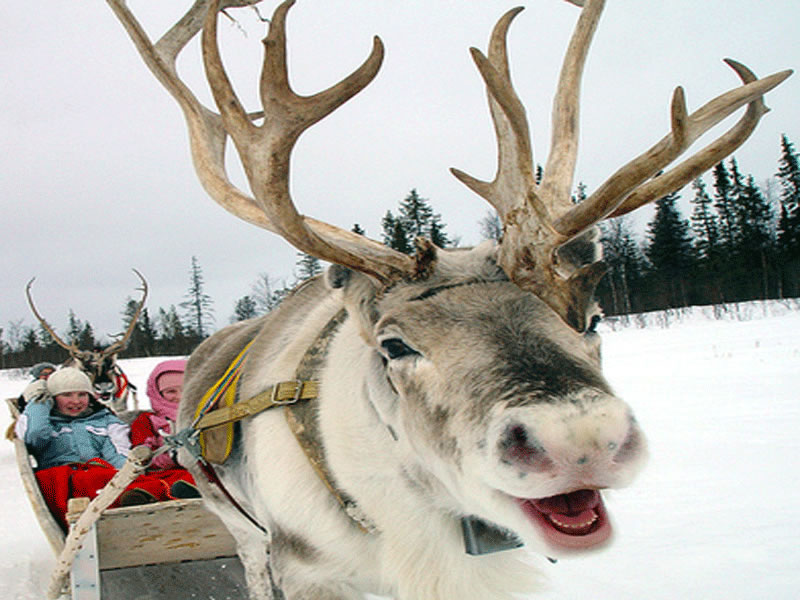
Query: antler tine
{"points": [[723, 146], [265, 150], [686, 129], [514, 177], [559, 171], [121, 343], [71, 348]]}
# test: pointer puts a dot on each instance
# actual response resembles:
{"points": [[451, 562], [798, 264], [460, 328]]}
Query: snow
{"points": [[716, 514]]}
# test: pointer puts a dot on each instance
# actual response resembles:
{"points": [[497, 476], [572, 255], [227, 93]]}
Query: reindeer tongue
{"points": [[576, 520], [573, 514]]}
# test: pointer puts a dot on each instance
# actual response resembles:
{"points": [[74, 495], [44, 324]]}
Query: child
{"points": [[164, 388], [63, 423], [79, 445]]}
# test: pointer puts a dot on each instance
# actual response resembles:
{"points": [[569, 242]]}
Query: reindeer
{"points": [[111, 385], [452, 395]]}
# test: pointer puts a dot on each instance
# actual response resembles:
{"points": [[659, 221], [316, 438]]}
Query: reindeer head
{"points": [[98, 363]]}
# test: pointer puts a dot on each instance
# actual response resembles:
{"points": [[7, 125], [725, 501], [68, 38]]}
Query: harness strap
{"points": [[216, 445], [285, 392], [301, 417]]}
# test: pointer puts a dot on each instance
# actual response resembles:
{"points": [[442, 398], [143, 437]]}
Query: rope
{"points": [[137, 462]]}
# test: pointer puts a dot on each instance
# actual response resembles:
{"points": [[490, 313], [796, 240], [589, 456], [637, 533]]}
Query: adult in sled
{"points": [[39, 372], [78, 444], [164, 389]]}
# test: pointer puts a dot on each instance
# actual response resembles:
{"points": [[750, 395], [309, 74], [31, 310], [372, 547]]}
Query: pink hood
{"points": [[162, 408]]}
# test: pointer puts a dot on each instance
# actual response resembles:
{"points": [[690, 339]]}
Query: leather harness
{"points": [[213, 426]]}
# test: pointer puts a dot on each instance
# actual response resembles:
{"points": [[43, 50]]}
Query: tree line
{"points": [[740, 242]]}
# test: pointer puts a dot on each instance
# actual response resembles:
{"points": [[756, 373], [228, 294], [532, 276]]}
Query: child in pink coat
{"points": [[164, 388]]}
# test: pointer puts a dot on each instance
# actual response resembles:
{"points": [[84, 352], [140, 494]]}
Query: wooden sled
{"points": [[165, 550]]}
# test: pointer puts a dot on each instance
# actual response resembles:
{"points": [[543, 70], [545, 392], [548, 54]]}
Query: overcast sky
{"points": [[96, 177]]}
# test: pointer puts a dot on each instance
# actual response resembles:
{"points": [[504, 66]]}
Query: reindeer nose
{"points": [[572, 445], [519, 448]]}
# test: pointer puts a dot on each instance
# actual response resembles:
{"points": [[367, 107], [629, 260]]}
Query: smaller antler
{"points": [[120, 344], [540, 219], [71, 348]]}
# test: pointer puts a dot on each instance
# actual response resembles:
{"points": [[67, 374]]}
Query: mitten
{"points": [[36, 391]]}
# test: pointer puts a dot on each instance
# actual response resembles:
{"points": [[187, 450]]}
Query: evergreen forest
{"points": [[739, 240]]}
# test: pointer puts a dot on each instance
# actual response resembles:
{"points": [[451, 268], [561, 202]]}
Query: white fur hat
{"points": [[69, 379]]}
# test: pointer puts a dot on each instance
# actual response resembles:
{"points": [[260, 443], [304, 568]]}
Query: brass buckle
{"points": [[298, 389]]}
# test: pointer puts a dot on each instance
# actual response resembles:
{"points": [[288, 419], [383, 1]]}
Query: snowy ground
{"points": [[715, 515]]}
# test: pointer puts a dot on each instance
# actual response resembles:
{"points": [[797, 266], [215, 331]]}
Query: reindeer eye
{"points": [[397, 348]]}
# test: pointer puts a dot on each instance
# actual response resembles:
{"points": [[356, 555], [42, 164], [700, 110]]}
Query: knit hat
{"points": [[69, 379], [172, 369], [37, 369]]}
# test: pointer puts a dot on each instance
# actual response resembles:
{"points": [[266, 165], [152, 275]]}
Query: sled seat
{"points": [[160, 551]]}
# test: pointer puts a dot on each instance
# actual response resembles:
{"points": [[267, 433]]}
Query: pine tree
{"points": [[788, 232], [626, 265], [704, 224], [539, 173], [436, 232], [358, 229], [669, 250], [245, 309], [755, 237], [419, 220], [580, 193], [307, 266], [738, 187], [31, 350], [74, 327], [707, 246], [171, 333], [395, 235], [416, 215], [490, 226], [724, 204], [197, 307], [51, 351], [143, 337], [86, 340]]}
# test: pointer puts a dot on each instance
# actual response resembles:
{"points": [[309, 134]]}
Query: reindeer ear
{"points": [[337, 276], [360, 296]]}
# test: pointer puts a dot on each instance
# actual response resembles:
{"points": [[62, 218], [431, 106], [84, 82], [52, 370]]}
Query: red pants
{"points": [[86, 480]]}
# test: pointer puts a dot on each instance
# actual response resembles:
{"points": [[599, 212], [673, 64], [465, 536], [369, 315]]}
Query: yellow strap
{"points": [[222, 393], [285, 392]]}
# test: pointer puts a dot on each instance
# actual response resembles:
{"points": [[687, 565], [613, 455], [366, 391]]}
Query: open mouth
{"points": [[575, 521]]}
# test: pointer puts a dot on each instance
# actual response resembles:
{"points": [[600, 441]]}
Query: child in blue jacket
{"points": [[65, 424]]}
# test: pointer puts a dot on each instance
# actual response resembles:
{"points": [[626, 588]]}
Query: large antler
{"points": [[264, 149], [539, 219], [120, 344]]}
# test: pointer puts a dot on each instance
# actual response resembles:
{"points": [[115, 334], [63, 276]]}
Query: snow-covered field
{"points": [[715, 515]]}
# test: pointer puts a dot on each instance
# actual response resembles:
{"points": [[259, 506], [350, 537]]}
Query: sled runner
{"points": [[147, 551]]}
